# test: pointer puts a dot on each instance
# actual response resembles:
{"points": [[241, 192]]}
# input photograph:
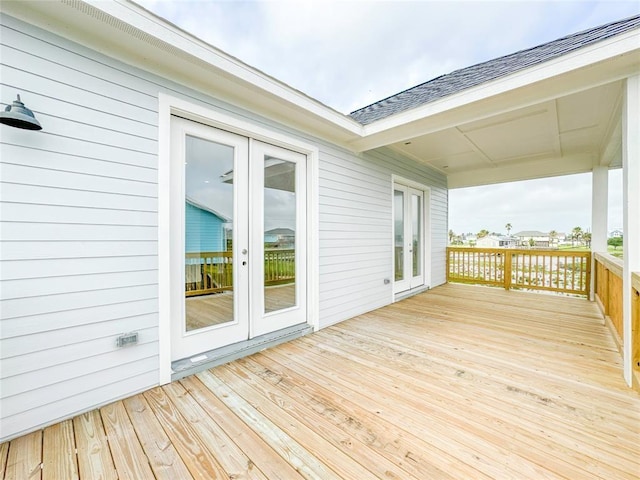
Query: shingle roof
{"points": [[530, 233], [483, 72]]}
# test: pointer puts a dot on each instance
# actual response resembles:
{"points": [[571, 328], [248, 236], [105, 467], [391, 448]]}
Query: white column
{"points": [[631, 207], [599, 215]]}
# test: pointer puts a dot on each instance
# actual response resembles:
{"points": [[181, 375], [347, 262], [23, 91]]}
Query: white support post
{"points": [[631, 208], [599, 216]]}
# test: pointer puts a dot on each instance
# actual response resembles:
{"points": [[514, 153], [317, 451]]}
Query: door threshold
{"points": [[212, 358], [410, 293]]}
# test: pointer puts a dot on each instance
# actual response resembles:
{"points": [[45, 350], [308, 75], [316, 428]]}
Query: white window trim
{"points": [[169, 105]]}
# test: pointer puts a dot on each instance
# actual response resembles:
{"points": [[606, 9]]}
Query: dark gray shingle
{"points": [[483, 72]]}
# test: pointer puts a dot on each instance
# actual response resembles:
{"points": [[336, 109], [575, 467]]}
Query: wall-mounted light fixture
{"points": [[19, 116]]}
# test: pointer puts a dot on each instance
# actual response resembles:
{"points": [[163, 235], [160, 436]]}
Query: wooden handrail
{"points": [[560, 271], [612, 263]]}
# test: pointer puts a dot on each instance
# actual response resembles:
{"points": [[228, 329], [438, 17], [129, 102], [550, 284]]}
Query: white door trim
{"points": [[169, 105]]}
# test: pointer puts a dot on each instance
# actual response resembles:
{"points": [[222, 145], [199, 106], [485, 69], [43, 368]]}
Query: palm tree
{"points": [[553, 236], [587, 238], [576, 234], [452, 235], [508, 227]]}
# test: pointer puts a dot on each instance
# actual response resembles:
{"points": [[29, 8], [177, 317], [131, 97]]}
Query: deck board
{"points": [[24, 460], [458, 382], [94, 456], [126, 450], [59, 452]]}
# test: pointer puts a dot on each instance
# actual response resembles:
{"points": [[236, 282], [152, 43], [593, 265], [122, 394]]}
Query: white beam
{"points": [[631, 208], [599, 212], [550, 167]]}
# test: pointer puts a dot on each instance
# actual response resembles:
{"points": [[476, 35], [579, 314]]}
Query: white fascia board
{"points": [[398, 127]]}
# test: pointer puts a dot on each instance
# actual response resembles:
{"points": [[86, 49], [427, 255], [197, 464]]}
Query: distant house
{"points": [[615, 234], [494, 241], [280, 237], [540, 239], [204, 228]]}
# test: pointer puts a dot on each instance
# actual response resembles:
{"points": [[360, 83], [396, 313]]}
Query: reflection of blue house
{"points": [[204, 228]]}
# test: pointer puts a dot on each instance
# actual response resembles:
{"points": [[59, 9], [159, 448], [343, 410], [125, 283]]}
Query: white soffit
{"points": [[567, 135]]}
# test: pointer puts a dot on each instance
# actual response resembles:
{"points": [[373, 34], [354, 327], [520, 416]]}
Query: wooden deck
{"points": [[458, 383]]}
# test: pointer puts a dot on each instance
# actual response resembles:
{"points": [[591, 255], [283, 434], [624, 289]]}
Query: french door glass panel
{"points": [[416, 231], [398, 233], [279, 224], [208, 234]]}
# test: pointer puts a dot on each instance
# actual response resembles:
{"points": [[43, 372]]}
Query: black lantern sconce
{"points": [[19, 116]]}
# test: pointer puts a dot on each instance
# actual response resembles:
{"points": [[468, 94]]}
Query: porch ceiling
{"points": [[569, 134]]}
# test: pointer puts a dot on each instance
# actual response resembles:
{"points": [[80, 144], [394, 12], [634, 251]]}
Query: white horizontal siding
{"points": [[355, 229], [96, 169], [79, 227], [75, 319], [92, 360], [66, 302], [57, 268], [56, 232], [39, 286]]}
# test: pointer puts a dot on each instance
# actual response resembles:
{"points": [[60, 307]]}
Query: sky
{"points": [[349, 54]]}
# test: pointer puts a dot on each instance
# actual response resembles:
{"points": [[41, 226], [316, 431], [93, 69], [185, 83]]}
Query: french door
{"points": [[238, 238], [409, 233]]}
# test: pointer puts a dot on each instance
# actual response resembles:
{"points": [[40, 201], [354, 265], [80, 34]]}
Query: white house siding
{"points": [[79, 227], [356, 229], [79, 231]]}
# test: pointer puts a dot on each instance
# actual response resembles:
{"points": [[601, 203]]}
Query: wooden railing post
{"points": [[635, 328], [588, 276], [507, 270]]}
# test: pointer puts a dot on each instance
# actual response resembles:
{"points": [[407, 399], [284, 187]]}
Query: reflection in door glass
{"points": [[208, 218], [416, 228], [398, 233], [279, 234]]}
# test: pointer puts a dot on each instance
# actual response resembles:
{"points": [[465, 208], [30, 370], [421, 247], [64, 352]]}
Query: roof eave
{"points": [[603, 62]]}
